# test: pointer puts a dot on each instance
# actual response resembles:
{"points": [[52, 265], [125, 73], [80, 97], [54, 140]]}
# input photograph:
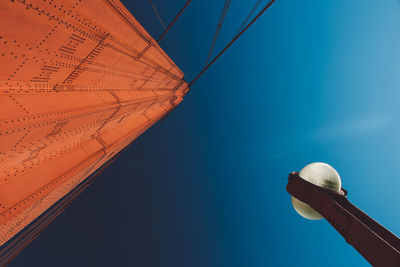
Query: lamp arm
{"points": [[375, 243]]}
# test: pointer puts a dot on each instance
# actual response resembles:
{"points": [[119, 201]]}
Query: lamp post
{"points": [[317, 193]]}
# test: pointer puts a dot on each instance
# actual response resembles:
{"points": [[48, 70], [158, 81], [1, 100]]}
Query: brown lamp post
{"points": [[317, 193]]}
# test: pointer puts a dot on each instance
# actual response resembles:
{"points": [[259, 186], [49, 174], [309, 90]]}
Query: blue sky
{"points": [[311, 81]]}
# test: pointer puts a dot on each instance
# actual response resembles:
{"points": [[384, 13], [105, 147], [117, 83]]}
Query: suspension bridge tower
{"points": [[79, 81]]}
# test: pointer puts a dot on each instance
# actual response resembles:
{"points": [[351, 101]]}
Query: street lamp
{"points": [[317, 193]]}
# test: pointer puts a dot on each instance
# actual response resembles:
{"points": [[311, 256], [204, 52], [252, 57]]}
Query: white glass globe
{"points": [[320, 174]]}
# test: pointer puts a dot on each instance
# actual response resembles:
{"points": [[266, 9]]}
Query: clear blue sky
{"points": [[311, 81]]}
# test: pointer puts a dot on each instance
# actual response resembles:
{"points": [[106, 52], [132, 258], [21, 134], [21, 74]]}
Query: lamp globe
{"points": [[320, 174]]}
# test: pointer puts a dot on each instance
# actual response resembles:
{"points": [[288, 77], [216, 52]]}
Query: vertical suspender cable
{"points": [[157, 14], [230, 43], [219, 26], [249, 16], [33, 230], [173, 21]]}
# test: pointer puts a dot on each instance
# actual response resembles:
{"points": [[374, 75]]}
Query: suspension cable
{"points": [[219, 26], [230, 43], [173, 21], [157, 14]]}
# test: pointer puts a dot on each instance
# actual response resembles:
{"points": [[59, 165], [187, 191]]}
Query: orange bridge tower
{"points": [[79, 81]]}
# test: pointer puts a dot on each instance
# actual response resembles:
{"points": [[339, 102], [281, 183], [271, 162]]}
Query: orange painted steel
{"points": [[79, 80]]}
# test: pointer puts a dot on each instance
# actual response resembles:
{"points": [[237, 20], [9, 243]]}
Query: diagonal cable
{"points": [[219, 26], [248, 16], [230, 43], [174, 20]]}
